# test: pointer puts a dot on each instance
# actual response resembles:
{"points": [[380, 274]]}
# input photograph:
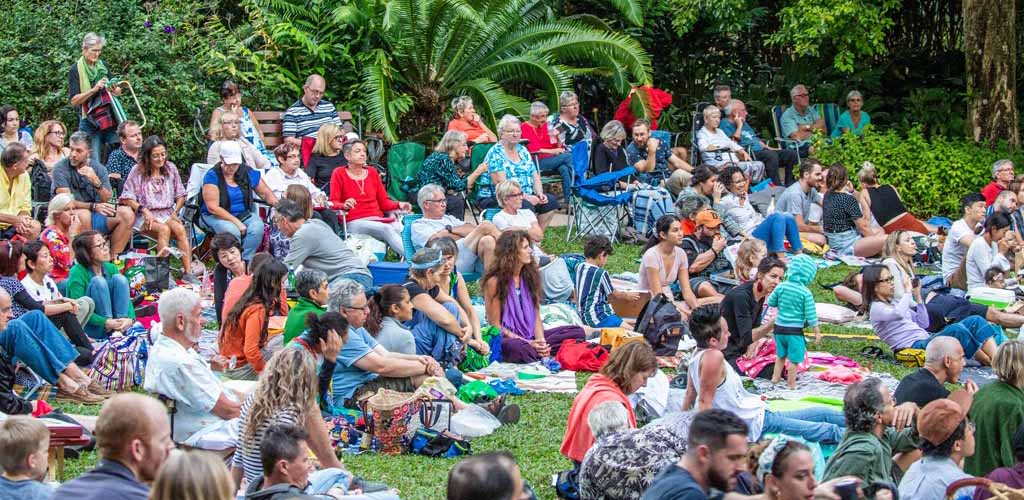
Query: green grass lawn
{"points": [[536, 439]]}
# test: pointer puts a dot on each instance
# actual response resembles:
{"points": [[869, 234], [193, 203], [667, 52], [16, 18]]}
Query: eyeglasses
{"points": [[971, 426], [512, 131], [230, 122], [105, 244], [362, 308], [58, 132], [890, 280], [802, 95], [442, 201], [293, 156], [515, 195]]}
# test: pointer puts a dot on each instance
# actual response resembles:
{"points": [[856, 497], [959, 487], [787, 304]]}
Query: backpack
{"points": [[910, 357], [648, 206], [580, 355], [119, 363], [431, 443], [662, 325], [39, 176], [573, 261]]}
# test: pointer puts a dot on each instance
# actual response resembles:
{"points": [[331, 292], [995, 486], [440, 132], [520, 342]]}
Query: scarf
{"points": [[87, 77]]}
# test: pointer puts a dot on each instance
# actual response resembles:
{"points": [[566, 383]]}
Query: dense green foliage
{"points": [[931, 174], [39, 43]]}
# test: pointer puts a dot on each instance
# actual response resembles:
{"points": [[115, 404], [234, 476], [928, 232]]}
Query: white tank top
{"points": [[731, 396]]}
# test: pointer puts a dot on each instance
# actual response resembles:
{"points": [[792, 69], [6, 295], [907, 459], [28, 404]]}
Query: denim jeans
{"points": [[98, 139], [563, 165], [777, 228], [820, 425], [433, 340], [33, 340], [112, 300], [253, 232], [972, 332]]}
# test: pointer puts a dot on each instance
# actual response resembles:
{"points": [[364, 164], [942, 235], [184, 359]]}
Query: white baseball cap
{"points": [[230, 152]]}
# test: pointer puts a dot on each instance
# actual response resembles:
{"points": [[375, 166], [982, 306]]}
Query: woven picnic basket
{"points": [[389, 414], [999, 491]]}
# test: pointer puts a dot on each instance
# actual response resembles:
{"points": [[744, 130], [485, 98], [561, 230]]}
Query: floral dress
{"points": [[59, 245], [251, 134], [159, 194]]}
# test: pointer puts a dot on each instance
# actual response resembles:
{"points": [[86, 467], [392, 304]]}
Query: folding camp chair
{"points": [[489, 214], [830, 112], [477, 155], [594, 211], [404, 162], [783, 142]]}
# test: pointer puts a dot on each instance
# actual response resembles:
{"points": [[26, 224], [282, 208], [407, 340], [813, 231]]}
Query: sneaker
{"points": [[81, 396]]}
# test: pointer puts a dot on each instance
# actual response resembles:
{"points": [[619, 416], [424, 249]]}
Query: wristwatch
{"points": [[448, 228]]}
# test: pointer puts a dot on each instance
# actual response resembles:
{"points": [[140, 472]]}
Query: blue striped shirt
{"points": [[300, 121], [592, 288]]}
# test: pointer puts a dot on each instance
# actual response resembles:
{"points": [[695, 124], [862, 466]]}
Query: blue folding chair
{"points": [[596, 205], [407, 247]]}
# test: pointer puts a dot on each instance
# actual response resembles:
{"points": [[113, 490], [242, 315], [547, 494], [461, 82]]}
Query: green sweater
{"points": [[869, 457], [296, 322], [78, 281], [997, 412]]}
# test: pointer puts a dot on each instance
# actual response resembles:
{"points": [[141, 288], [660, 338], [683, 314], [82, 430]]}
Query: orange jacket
{"points": [[242, 339], [578, 438]]}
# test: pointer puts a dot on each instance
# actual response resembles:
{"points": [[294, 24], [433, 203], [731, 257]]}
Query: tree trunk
{"points": [[990, 48]]}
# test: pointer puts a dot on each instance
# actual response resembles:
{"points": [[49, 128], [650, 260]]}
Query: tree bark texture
{"points": [[991, 56]]}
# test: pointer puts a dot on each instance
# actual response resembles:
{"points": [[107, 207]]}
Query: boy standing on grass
{"points": [[796, 310], [24, 442], [594, 286]]}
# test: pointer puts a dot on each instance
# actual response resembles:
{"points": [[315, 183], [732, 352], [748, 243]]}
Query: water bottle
{"points": [[205, 283], [771, 205]]}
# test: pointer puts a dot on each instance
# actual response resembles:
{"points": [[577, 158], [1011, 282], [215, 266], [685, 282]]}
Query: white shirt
{"points": [[183, 376], [278, 182], [723, 144], [424, 229], [980, 257], [952, 251], [45, 292], [523, 219]]}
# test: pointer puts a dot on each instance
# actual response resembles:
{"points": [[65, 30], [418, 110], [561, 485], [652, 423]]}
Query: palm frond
{"points": [[384, 107], [631, 9], [532, 69]]}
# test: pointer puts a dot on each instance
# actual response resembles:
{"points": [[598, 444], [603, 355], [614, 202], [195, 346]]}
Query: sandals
{"points": [[506, 414]]}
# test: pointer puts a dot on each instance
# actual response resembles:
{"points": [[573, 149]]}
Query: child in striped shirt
{"points": [[796, 310], [594, 286]]}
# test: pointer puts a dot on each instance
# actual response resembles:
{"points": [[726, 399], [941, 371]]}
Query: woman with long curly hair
{"points": [[511, 289], [285, 394], [243, 336]]}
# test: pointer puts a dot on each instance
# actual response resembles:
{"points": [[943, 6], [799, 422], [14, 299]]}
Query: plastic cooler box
{"points": [[995, 297], [388, 273]]}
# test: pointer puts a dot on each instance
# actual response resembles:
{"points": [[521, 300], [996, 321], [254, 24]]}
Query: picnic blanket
{"points": [[981, 375], [807, 384], [532, 377]]}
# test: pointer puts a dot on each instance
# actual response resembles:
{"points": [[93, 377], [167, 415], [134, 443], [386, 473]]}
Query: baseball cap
{"points": [[940, 418], [707, 218], [230, 152]]}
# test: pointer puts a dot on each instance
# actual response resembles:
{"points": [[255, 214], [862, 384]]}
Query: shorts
{"points": [[99, 223], [544, 208], [842, 243], [139, 220], [394, 384], [466, 260], [697, 281], [790, 344], [612, 321]]}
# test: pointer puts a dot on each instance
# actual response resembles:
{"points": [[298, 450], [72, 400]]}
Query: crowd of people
{"points": [[733, 262]]}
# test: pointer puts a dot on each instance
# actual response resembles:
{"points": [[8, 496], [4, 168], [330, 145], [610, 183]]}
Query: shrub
{"points": [[39, 43], [931, 174]]}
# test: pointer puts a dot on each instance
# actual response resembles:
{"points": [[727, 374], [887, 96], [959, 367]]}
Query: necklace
{"points": [[361, 182]]}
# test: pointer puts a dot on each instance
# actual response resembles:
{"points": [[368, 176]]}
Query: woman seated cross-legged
{"points": [[93, 275], [243, 336], [511, 290], [453, 284], [742, 220], [358, 190], [440, 168]]}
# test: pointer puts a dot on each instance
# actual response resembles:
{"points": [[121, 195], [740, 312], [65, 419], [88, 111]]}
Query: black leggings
{"points": [[68, 323]]}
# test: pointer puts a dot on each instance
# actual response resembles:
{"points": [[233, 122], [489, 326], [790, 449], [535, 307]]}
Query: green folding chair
{"points": [[404, 162]]}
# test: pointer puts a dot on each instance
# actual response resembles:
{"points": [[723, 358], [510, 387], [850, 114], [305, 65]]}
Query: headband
{"points": [[428, 265], [767, 458]]}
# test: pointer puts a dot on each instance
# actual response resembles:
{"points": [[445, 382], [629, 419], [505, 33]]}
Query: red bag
{"points": [[582, 356]]}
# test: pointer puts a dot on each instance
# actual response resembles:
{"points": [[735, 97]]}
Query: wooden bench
{"points": [[271, 123]]}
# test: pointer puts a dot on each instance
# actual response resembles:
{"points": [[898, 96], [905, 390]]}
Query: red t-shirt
{"points": [[539, 138], [371, 198], [990, 192]]}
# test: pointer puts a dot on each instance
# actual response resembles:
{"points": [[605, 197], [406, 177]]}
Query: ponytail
{"points": [[380, 306]]}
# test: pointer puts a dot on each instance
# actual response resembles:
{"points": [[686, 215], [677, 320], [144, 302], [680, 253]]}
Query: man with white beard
{"points": [[176, 371]]}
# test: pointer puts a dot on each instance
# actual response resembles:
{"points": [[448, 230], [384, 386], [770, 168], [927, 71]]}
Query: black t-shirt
{"points": [[694, 247], [415, 289], [321, 167], [921, 387], [742, 313], [609, 160], [674, 483]]}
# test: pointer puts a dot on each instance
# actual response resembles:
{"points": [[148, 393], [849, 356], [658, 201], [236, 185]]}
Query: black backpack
{"points": [[40, 178], [662, 325]]}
